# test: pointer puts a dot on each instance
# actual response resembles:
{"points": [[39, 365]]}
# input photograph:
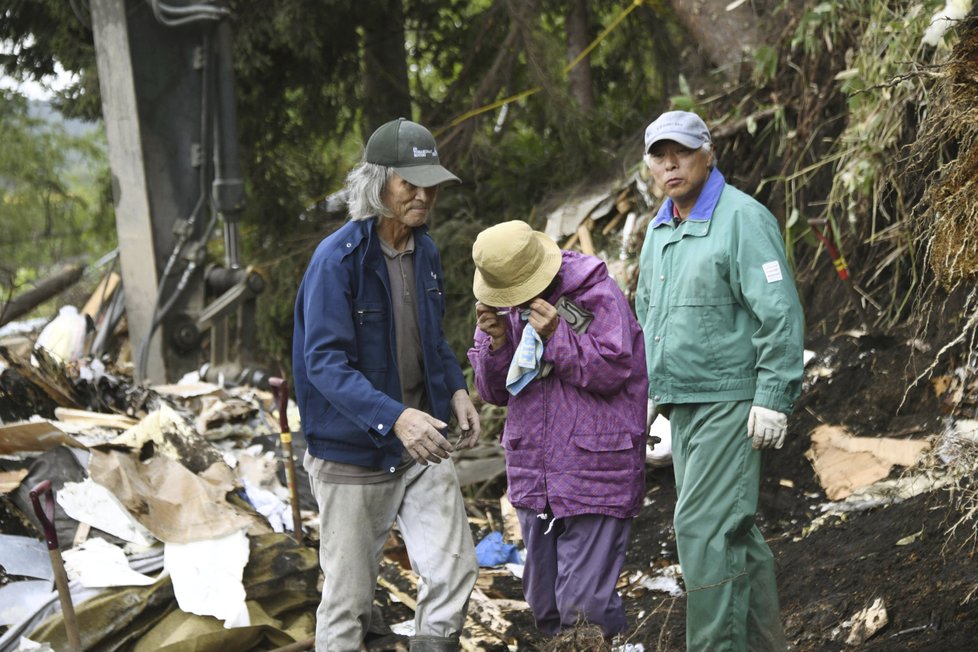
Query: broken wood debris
{"points": [[484, 613]]}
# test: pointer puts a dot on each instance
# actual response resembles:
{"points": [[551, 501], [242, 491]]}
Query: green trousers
{"points": [[732, 599]]}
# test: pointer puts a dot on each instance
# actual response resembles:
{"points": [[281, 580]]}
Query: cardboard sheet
{"points": [[10, 480], [845, 464], [33, 436], [173, 503], [91, 503]]}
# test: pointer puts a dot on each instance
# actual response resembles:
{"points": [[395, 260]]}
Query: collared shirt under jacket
{"points": [[718, 304], [344, 354], [576, 438]]}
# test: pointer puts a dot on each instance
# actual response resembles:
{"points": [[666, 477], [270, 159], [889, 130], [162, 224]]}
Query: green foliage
{"points": [[301, 92], [53, 194], [880, 90], [765, 65], [44, 33], [454, 234], [818, 27]]}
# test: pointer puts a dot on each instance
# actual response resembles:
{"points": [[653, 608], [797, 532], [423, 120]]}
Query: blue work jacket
{"points": [[344, 356]]}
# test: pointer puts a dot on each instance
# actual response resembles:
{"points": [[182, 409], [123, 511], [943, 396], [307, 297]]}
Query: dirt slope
{"points": [[825, 578]]}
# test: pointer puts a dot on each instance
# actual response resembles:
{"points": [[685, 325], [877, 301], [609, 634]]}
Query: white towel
{"points": [[526, 361]]}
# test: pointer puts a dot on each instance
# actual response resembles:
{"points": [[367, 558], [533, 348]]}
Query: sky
{"points": [[41, 91]]}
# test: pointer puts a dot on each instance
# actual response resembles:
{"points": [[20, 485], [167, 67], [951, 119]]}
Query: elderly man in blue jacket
{"points": [[377, 385]]}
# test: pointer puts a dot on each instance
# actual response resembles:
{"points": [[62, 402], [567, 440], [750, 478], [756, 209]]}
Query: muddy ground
{"points": [[926, 581], [828, 576]]}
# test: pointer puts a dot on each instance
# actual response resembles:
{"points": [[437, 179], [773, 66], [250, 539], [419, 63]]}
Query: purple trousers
{"points": [[572, 566]]}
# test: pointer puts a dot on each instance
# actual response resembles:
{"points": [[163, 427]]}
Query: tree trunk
{"points": [[457, 139], [726, 38], [578, 38], [386, 93]]}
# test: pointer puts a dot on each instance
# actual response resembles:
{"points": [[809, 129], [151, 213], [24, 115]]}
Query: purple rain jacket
{"points": [[575, 439]]}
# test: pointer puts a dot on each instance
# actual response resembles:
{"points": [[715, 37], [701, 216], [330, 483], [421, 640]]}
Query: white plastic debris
{"points": [[64, 336], [515, 569], [89, 502], [207, 577], [665, 580], [944, 19], [405, 628], [630, 647], [20, 599], [25, 557], [96, 564], [27, 645], [867, 622], [277, 511]]}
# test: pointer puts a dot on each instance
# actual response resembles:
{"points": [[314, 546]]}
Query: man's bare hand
{"points": [[491, 323], [468, 419], [543, 318], [418, 432]]}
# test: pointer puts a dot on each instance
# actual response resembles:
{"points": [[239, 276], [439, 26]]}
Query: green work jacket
{"points": [[718, 305]]}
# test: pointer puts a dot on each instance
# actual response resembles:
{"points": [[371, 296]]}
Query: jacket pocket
{"points": [[370, 322], [434, 300], [603, 443], [509, 441], [605, 452], [607, 470]]}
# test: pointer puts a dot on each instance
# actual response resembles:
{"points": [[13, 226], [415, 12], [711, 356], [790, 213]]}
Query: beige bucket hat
{"points": [[513, 264]]}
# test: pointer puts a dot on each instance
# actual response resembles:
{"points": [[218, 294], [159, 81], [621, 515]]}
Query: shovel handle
{"points": [[45, 512], [280, 388]]}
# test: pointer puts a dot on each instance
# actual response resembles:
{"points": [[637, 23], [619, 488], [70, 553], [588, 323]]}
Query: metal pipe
{"points": [[228, 185]]}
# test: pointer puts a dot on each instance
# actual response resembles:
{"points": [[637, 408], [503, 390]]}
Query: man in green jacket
{"points": [[724, 342]]}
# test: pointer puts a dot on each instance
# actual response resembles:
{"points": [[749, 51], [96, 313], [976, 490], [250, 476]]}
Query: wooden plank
{"points": [[512, 533], [88, 418], [587, 244], [612, 223], [483, 614], [488, 614], [33, 436], [106, 288]]}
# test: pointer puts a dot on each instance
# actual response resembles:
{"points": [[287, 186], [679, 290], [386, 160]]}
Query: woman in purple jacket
{"points": [[556, 342]]}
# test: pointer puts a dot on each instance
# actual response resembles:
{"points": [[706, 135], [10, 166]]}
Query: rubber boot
{"points": [[434, 644]]}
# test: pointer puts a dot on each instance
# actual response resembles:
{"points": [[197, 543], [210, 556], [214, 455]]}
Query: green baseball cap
{"points": [[410, 150]]}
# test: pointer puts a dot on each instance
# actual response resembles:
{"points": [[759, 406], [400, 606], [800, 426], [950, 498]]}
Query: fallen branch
{"points": [[46, 288]]}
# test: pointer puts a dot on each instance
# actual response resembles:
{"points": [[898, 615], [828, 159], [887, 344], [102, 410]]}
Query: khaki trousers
{"points": [[355, 521]]}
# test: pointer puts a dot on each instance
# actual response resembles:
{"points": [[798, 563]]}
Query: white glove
{"points": [[651, 413], [766, 428]]}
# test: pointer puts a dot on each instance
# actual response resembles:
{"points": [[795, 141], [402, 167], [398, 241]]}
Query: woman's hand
{"points": [[491, 323]]}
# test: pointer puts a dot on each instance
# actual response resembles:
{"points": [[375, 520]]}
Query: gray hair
{"points": [[709, 148], [365, 186]]}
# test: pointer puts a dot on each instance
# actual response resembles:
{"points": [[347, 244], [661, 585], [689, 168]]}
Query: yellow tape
{"points": [[519, 96], [536, 89], [607, 30], [286, 437]]}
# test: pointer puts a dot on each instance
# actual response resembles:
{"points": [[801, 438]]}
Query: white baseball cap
{"points": [[686, 128]]}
